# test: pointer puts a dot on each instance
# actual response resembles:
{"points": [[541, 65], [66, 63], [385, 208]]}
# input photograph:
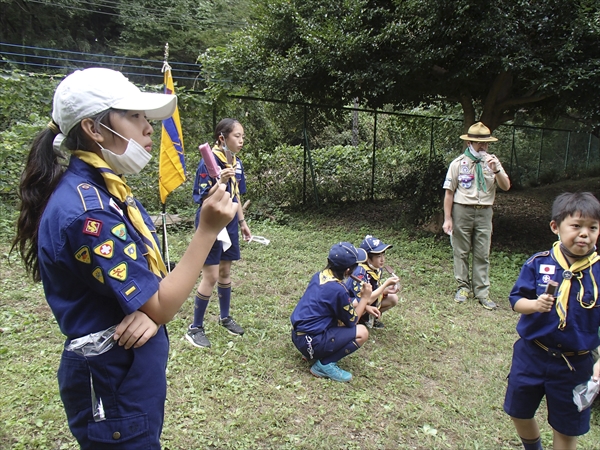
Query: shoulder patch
{"points": [[90, 197], [129, 291], [537, 255]]}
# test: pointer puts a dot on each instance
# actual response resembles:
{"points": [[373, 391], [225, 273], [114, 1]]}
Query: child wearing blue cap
{"points": [[384, 296], [557, 331], [325, 327]]}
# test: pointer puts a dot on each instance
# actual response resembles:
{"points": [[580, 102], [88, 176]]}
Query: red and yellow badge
{"points": [[119, 231], [98, 275], [105, 249], [83, 255], [119, 272], [131, 251], [92, 227]]}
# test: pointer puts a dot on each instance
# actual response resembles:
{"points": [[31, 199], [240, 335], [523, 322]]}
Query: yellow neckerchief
{"points": [[576, 269], [376, 275], [234, 183], [326, 276], [116, 186]]}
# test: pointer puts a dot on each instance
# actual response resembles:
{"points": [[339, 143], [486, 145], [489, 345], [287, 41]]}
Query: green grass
{"points": [[433, 379]]}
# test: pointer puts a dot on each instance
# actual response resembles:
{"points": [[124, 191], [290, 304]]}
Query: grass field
{"points": [[434, 378]]}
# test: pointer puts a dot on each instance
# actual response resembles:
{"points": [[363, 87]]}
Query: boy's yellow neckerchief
{"points": [[234, 183], [574, 270], [116, 186]]}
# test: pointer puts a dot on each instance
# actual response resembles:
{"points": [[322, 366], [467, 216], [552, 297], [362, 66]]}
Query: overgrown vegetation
{"points": [[434, 378]]}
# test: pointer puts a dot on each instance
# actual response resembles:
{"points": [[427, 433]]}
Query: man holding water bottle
{"points": [[470, 186]]}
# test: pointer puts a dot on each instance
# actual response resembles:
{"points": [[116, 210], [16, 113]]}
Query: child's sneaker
{"points": [[378, 324], [197, 337], [331, 371], [231, 326]]}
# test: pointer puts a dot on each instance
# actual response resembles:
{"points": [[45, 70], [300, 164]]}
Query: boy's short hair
{"points": [[575, 203]]}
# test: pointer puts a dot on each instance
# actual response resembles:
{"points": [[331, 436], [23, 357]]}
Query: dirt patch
{"points": [[521, 217]]}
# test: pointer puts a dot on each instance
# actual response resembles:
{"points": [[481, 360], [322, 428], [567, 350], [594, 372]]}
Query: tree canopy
{"points": [[133, 28], [493, 58]]}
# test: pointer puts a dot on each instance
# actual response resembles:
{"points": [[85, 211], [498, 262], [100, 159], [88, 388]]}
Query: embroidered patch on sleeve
{"points": [[131, 251], [98, 275], [119, 272], [92, 227], [547, 269], [130, 290], [119, 231], [83, 255], [105, 249]]}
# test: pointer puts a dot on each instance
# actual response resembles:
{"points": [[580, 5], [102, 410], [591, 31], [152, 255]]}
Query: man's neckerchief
{"points": [[570, 271], [234, 183], [479, 179], [117, 186]]}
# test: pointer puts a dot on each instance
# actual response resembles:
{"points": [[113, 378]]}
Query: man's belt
{"points": [[475, 206]]}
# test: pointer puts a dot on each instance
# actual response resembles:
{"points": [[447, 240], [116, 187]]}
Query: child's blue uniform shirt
{"points": [[365, 273], [94, 272], [91, 258], [325, 302], [202, 184], [581, 331]]}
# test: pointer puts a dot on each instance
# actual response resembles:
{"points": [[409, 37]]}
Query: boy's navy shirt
{"points": [[583, 320], [325, 302]]}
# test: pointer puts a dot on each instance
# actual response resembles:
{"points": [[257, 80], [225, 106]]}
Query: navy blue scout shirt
{"points": [[581, 331], [325, 302], [91, 257], [204, 182]]}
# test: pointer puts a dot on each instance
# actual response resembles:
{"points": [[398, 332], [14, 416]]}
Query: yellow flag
{"points": [[171, 165]]}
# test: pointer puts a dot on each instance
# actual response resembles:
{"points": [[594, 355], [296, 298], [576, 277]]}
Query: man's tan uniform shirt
{"points": [[461, 179]]}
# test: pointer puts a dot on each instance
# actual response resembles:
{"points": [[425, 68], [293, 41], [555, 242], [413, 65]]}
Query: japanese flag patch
{"points": [[547, 269]]}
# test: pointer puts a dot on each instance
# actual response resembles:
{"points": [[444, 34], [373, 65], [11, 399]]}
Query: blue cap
{"points": [[344, 255], [373, 245]]}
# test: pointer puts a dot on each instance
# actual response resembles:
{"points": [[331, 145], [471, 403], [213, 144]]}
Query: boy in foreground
{"points": [[558, 332]]}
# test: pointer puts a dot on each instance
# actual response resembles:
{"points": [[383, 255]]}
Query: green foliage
{"points": [[434, 378], [419, 186], [493, 60], [14, 147], [133, 28]]}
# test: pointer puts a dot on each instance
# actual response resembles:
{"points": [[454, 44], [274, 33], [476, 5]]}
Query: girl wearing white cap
{"points": [[93, 246]]}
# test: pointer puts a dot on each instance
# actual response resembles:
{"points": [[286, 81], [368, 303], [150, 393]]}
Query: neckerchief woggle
{"points": [[479, 179], [116, 186], [234, 183], [570, 271]]}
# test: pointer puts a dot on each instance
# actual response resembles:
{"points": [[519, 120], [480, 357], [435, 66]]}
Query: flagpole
{"points": [[165, 245]]}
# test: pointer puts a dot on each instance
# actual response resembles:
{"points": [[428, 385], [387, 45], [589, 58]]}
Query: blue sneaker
{"points": [[330, 370]]}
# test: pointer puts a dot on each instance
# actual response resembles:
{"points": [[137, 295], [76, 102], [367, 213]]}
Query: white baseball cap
{"points": [[85, 93]]}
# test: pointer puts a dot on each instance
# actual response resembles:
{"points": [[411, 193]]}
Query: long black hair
{"points": [[43, 170]]}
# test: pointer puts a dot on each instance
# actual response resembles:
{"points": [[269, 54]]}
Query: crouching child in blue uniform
{"points": [[557, 333], [325, 328], [384, 295]]}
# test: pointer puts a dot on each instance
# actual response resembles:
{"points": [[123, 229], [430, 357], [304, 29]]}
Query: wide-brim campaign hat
{"points": [[373, 245], [343, 255], [85, 93], [478, 132]]}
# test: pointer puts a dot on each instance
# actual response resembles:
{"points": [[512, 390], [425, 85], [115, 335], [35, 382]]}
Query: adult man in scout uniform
{"points": [[470, 191]]}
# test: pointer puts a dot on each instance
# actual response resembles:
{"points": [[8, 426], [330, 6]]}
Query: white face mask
{"points": [[132, 161]]}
